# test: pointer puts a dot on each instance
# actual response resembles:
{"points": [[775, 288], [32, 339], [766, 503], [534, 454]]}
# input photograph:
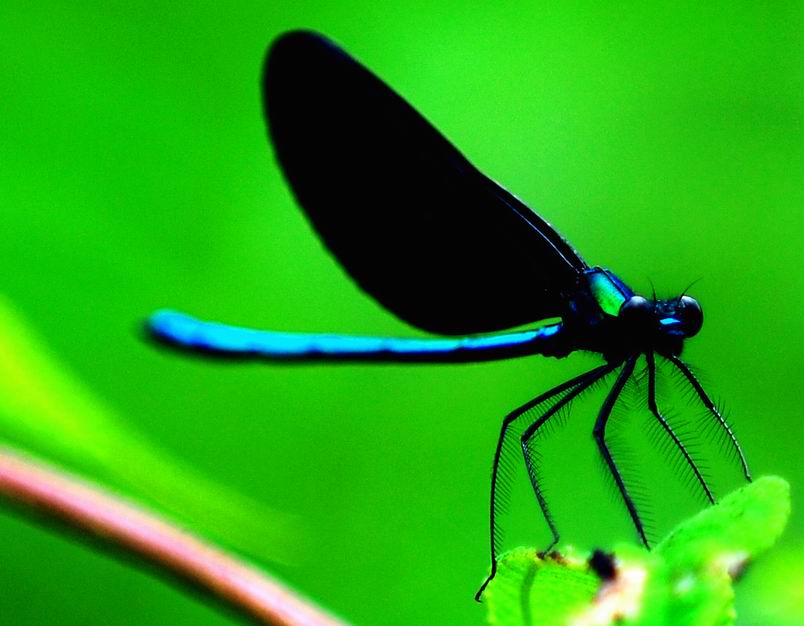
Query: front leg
{"points": [[600, 437]]}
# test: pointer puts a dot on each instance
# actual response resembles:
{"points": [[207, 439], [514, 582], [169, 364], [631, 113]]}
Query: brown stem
{"points": [[96, 513]]}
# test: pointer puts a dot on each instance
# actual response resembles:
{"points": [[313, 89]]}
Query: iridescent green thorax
{"points": [[608, 291]]}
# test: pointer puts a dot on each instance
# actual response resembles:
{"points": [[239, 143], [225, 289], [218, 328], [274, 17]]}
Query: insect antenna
{"points": [[688, 287]]}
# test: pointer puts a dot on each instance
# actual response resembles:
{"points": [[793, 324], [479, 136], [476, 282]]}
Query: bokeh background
{"points": [[664, 140]]}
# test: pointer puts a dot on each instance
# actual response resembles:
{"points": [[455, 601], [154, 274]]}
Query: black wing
{"points": [[413, 222]]}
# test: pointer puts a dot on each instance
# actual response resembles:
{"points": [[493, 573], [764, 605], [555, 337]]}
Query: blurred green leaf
{"points": [[685, 581], [44, 408], [703, 555], [745, 523], [529, 589], [776, 590]]}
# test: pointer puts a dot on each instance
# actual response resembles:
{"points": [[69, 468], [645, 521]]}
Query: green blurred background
{"points": [[664, 142]]}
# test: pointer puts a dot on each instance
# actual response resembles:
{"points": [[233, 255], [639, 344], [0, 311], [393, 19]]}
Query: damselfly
{"points": [[451, 252]]}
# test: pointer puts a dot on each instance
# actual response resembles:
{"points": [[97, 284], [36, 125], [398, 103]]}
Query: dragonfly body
{"points": [[589, 323], [246, 343], [450, 251]]}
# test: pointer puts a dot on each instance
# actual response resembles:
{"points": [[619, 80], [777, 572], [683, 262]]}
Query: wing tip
{"points": [[295, 42], [293, 53]]}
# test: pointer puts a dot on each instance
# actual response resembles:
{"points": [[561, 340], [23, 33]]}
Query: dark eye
{"points": [[690, 314], [636, 310]]}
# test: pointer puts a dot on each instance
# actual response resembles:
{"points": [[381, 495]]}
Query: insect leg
{"points": [[530, 433], [669, 429], [497, 478], [710, 406], [599, 433]]}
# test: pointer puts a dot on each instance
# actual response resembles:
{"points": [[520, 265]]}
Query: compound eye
{"points": [[690, 314], [636, 310]]}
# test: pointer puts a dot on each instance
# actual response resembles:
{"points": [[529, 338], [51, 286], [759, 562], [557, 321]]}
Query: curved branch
{"points": [[98, 514]]}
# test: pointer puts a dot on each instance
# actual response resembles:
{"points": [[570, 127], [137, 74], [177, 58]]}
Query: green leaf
{"points": [[744, 524], [703, 554], [686, 581], [775, 591], [529, 589], [47, 410]]}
